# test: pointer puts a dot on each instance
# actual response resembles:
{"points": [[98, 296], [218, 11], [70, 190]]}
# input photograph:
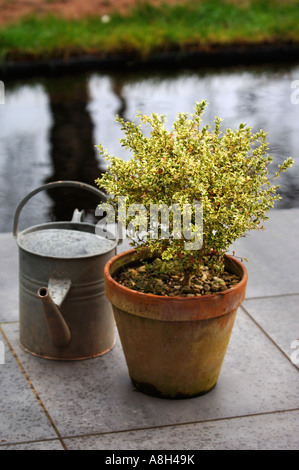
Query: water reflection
{"points": [[49, 127], [24, 149], [72, 149]]}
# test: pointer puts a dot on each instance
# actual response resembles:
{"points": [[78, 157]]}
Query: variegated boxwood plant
{"points": [[226, 172]]}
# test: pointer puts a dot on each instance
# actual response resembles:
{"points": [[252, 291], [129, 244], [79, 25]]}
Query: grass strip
{"points": [[148, 29]]}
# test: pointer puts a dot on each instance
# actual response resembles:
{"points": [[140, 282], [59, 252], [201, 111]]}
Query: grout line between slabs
{"points": [[187, 423], [33, 388], [60, 438], [261, 297], [37, 441], [206, 421]]}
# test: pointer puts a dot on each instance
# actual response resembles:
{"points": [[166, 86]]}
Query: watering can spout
{"points": [[59, 331]]}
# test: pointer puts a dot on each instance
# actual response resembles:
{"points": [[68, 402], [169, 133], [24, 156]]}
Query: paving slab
{"points": [[54, 444], [278, 316], [9, 307], [274, 431], [273, 255], [22, 417], [96, 395], [92, 403]]}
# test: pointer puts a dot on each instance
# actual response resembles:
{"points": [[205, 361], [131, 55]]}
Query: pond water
{"points": [[49, 127]]}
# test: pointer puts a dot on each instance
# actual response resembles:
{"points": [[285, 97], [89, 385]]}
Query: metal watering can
{"points": [[64, 313]]}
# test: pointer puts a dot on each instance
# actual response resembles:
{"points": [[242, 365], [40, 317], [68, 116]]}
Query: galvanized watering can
{"points": [[64, 313]]}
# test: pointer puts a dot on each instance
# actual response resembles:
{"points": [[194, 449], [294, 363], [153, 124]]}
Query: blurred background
{"points": [[50, 123]]}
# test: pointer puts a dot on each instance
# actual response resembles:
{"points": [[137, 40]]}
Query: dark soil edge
{"points": [[213, 56]]}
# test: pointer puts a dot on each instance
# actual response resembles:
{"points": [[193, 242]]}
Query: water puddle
{"points": [[49, 127]]}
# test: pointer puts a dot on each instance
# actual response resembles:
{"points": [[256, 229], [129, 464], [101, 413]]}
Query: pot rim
{"points": [[224, 301]]}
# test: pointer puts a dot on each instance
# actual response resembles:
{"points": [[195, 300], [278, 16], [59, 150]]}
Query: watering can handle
{"points": [[55, 184]]}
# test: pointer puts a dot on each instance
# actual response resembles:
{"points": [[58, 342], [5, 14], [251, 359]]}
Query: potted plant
{"points": [[184, 197]]}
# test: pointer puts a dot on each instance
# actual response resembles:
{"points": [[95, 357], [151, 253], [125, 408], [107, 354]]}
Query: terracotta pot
{"points": [[174, 346]]}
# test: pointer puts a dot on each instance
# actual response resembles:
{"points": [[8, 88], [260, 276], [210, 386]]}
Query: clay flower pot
{"points": [[174, 346]]}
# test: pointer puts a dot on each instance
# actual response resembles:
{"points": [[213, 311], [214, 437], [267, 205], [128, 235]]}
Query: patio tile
{"points": [[96, 395], [272, 431], [273, 255], [22, 417], [279, 318], [38, 445], [9, 278], [252, 406]]}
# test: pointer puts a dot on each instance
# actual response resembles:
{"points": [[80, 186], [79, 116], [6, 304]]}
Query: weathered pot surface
{"points": [[174, 346]]}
